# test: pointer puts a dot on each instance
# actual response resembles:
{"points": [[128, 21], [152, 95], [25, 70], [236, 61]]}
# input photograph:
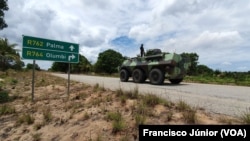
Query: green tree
{"points": [[108, 61], [83, 65], [30, 66], [59, 67], [204, 70], [3, 7], [9, 57], [194, 62]]}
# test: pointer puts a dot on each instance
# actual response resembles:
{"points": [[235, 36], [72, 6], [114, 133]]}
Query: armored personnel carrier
{"points": [[156, 66]]}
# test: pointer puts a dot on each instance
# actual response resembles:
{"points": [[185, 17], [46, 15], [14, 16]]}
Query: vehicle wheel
{"points": [[175, 81], [124, 75], [156, 77], [138, 76]]}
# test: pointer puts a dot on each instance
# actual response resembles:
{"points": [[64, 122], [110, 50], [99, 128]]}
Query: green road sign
{"points": [[50, 50], [47, 44], [38, 54]]}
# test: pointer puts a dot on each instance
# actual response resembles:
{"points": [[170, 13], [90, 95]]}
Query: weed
{"points": [[6, 109], [245, 117], [109, 98], [104, 109], [96, 87], [38, 126], [119, 92], [226, 120], [25, 118], [190, 116], [47, 115], [123, 99], [76, 105], [134, 94], [125, 138], [118, 123], [36, 136], [169, 116], [167, 103], [99, 137], [151, 100], [13, 81], [42, 80], [1, 85], [83, 95], [86, 116], [183, 106], [117, 116], [96, 102], [139, 119], [118, 126], [142, 109], [102, 89]]}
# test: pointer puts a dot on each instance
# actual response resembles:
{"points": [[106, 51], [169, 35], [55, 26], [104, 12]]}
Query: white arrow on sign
{"points": [[71, 57], [71, 47]]}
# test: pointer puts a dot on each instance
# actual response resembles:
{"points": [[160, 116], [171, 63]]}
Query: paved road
{"points": [[223, 99]]}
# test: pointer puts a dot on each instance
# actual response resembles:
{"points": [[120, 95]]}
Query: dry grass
{"points": [[88, 113]]}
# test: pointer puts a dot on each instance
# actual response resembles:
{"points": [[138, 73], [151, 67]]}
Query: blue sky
{"points": [[217, 30]]}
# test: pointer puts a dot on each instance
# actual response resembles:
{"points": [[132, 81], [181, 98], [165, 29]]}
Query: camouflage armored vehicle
{"points": [[155, 66]]}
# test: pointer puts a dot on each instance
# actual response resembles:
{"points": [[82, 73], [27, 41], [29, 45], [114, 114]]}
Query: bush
{"points": [[4, 96]]}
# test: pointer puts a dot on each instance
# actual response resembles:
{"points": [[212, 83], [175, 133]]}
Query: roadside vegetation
{"points": [[222, 78], [91, 112]]}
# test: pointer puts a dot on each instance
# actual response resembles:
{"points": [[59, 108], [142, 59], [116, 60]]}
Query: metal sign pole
{"points": [[68, 79], [33, 81]]}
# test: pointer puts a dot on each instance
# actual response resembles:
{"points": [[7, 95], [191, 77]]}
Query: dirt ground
{"points": [[88, 113]]}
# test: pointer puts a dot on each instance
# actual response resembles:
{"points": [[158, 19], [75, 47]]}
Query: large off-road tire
{"points": [[176, 81], [156, 76], [138, 76], [124, 76]]}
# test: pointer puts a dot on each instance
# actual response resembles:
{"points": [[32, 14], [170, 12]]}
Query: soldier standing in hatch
{"points": [[142, 50]]}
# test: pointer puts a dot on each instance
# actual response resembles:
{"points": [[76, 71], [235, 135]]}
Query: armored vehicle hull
{"points": [[155, 66]]}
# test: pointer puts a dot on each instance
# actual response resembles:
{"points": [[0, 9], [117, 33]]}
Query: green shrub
{"points": [[117, 116], [4, 96], [118, 126], [118, 123], [14, 81]]}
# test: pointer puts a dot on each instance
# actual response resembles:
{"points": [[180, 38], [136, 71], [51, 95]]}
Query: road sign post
{"points": [[49, 50]]}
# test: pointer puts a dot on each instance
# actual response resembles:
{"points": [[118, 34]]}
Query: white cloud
{"points": [[217, 39], [218, 31], [226, 63]]}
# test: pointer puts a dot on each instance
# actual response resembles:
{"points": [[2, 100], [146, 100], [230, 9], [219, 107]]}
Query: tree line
{"points": [[107, 62]]}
